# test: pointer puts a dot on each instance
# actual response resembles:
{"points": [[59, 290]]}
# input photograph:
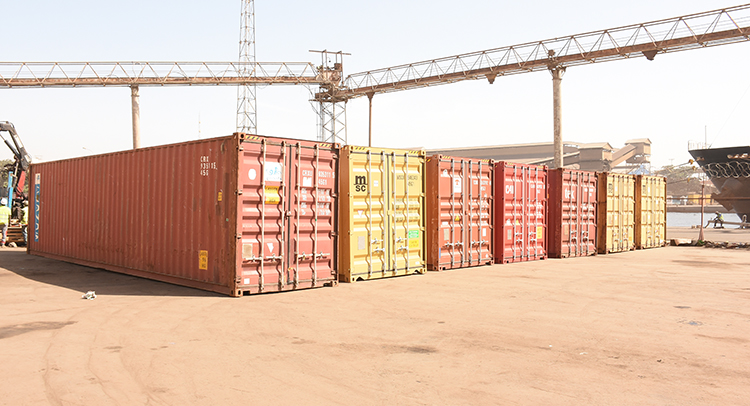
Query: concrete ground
{"points": [[665, 326]]}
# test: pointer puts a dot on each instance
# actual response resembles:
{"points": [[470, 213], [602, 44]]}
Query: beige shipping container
{"points": [[382, 213], [615, 218], [650, 211]]}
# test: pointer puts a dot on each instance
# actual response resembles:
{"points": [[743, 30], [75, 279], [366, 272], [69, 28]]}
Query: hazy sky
{"points": [[670, 100]]}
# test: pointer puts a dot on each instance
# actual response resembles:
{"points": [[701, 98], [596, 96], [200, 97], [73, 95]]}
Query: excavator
{"points": [[17, 173]]}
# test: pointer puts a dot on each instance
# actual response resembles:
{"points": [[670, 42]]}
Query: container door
{"points": [[587, 206], [370, 244], [264, 178], [479, 213], [406, 210], [452, 208], [310, 205]]}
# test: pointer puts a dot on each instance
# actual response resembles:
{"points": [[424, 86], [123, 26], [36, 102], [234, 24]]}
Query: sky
{"points": [[678, 97]]}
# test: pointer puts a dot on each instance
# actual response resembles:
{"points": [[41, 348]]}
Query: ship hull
{"points": [[729, 170]]}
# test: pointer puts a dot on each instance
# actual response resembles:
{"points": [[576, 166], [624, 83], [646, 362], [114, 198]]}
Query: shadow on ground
{"points": [[83, 279]]}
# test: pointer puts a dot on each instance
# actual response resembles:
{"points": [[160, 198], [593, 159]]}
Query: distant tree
{"points": [[683, 180]]}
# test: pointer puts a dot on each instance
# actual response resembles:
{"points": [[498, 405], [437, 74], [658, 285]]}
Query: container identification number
{"points": [[206, 165]]}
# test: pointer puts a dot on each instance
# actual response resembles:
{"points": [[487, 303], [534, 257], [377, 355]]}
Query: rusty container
{"points": [[382, 213], [650, 211], [615, 212], [235, 215], [520, 212], [572, 213], [459, 212]]}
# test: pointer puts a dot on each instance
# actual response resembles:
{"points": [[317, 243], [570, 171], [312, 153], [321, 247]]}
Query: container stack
{"points": [[246, 214]]}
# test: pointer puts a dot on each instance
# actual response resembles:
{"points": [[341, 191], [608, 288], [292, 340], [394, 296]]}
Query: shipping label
{"points": [[203, 260]]}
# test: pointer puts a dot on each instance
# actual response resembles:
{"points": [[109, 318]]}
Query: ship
{"points": [[729, 170]]}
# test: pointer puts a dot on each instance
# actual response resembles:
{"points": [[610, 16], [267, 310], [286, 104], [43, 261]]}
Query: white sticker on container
{"points": [[246, 281], [457, 184], [375, 183], [272, 172], [307, 182], [252, 174], [270, 247], [484, 232], [445, 173]]}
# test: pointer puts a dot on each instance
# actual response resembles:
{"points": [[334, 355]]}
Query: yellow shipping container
{"points": [[382, 220], [651, 211], [615, 217]]}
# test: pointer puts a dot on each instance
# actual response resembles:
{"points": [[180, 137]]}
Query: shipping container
{"points": [[572, 213], [520, 212], [382, 213], [459, 212], [650, 211], [235, 215], [615, 217]]}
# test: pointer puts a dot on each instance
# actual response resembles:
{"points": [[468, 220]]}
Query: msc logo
{"points": [[360, 183]]}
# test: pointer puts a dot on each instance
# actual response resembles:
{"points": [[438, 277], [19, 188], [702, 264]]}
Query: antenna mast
{"points": [[247, 120]]}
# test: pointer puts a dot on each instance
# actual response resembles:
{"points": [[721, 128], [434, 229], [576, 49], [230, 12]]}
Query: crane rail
{"points": [[699, 30], [83, 74]]}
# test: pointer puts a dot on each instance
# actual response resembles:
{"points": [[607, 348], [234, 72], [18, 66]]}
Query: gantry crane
{"points": [[694, 31]]}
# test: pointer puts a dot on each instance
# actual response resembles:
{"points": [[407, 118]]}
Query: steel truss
{"points": [[693, 31], [83, 74]]}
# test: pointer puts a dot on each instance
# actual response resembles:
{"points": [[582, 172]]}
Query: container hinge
{"points": [[239, 192], [240, 148]]}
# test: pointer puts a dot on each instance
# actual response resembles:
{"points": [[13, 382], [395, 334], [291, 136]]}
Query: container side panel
{"points": [[154, 212]]}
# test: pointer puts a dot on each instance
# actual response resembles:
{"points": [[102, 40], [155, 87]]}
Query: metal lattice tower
{"points": [[247, 119], [331, 106]]}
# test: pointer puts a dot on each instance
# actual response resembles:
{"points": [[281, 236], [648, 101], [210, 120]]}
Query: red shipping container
{"points": [[572, 221], [520, 212], [459, 212], [235, 215]]}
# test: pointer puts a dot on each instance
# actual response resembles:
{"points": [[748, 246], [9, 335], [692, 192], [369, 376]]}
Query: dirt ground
{"points": [[666, 326]]}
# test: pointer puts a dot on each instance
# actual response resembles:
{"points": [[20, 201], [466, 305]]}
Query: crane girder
{"points": [[700, 30], [83, 74]]}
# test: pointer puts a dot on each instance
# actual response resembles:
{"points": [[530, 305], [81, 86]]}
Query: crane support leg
{"points": [[135, 99], [557, 74], [369, 97]]}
